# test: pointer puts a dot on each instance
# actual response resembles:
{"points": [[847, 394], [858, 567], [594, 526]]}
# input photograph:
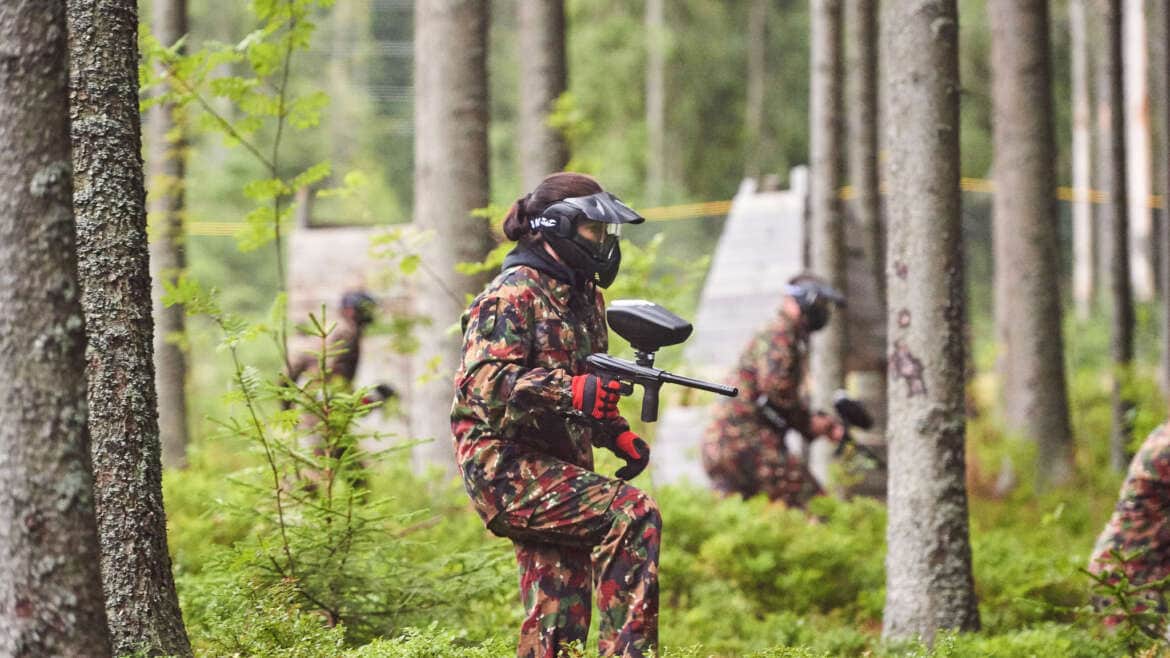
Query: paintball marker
{"points": [[648, 327], [854, 414]]}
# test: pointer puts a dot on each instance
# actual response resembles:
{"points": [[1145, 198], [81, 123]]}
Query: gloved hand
{"points": [[596, 397], [633, 450]]}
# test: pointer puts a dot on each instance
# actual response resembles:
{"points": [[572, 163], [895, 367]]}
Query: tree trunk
{"points": [[1082, 207], [862, 68], [114, 269], [1164, 233], [757, 59], [929, 585], [1103, 122], [450, 180], [167, 251], [655, 101], [542, 80], [1139, 174], [1122, 314], [1027, 238], [827, 239], [50, 584]]}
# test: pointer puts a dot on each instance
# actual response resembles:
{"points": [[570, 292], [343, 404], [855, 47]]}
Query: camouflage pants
{"points": [[749, 460], [576, 531]]}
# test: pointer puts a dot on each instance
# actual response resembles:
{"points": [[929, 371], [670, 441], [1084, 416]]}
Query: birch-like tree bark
{"points": [[114, 268], [450, 181], [1082, 207], [1139, 163], [166, 207], [51, 601], [827, 229], [1117, 209], [543, 76], [1027, 237], [929, 584]]}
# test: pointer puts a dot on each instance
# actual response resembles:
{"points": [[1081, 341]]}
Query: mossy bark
{"points": [[50, 586], [113, 263]]}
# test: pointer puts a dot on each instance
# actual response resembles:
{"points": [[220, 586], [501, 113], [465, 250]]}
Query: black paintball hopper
{"points": [[646, 325]]}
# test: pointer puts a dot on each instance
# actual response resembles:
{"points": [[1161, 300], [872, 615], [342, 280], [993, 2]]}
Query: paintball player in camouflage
{"points": [[743, 450], [1139, 529], [342, 353], [527, 415]]}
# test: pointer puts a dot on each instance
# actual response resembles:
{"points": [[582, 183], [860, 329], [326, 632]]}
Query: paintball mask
{"points": [[363, 305], [597, 259], [814, 298]]}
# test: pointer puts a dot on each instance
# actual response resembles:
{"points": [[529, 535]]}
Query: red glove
{"points": [[596, 397], [634, 451]]}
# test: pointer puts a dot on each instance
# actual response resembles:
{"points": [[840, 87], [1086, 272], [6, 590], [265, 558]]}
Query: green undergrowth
{"points": [[738, 578]]}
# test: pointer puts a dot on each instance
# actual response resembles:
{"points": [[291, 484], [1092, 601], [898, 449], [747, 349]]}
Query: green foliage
{"points": [[1132, 607]]}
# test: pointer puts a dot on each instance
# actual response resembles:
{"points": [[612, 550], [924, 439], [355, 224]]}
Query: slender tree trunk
{"points": [[862, 75], [929, 585], [1103, 138], [114, 268], [168, 259], [1082, 207], [655, 101], [51, 600], [757, 73], [1121, 341], [1164, 234], [827, 239], [542, 80], [1027, 237], [1139, 172], [450, 180]]}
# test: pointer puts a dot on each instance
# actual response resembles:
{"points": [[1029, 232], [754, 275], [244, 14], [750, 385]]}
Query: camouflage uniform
{"points": [[1140, 525], [526, 458], [744, 453]]}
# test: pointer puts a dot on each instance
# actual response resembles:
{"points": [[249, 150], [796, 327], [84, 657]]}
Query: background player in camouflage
{"points": [[1140, 526], [527, 415], [342, 355], [743, 452]]}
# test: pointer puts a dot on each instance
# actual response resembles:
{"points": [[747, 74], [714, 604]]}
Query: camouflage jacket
{"points": [[774, 365], [524, 338], [1140, 524]]}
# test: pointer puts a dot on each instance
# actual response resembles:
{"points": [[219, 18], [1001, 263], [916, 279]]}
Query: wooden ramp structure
{"points": [[761, 247]]}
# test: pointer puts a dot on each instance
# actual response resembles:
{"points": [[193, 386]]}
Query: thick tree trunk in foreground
{"points": [[1082, 207], [167, 256], [113, 264], [1121, 296], [1027, 237], [827, 239], [450, 180], [51, 600], [542, 80], [929, 585], [862, 78]]}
